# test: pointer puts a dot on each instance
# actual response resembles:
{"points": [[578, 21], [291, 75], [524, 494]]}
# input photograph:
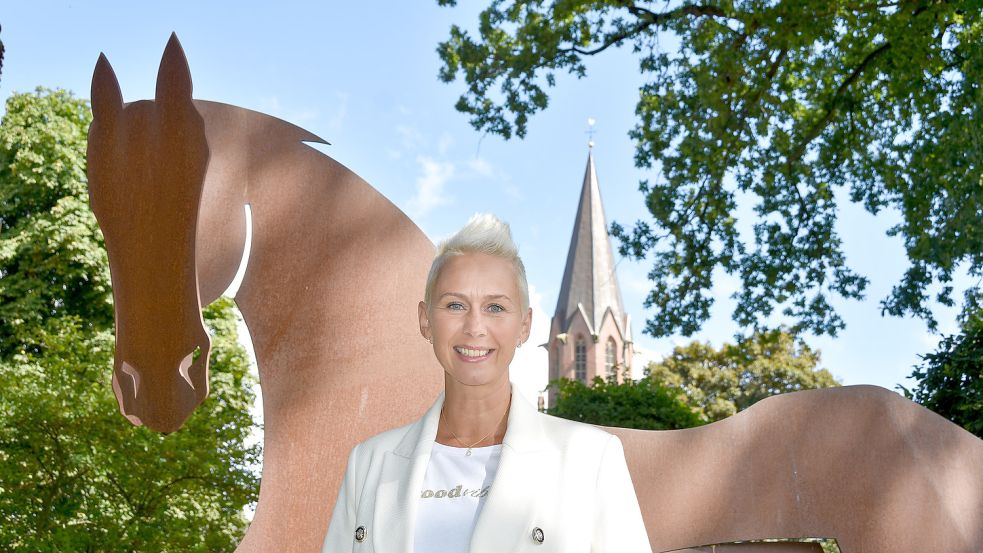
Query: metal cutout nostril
{"points": [[134, 375], [186, 364]]}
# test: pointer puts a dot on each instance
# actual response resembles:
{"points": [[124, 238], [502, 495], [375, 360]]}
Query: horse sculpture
{"points": [[329, 297]]}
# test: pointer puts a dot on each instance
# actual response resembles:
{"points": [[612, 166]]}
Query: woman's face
{"points": [[475, 319]]}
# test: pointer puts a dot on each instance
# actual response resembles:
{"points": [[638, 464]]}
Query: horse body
{"points": [[329, 297], [859, 464]]}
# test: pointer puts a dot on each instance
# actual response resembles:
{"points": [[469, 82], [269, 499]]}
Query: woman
{"points": [[483, 470]]}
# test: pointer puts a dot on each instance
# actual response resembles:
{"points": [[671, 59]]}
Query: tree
{"points": [[1, 55], [74, 474], [645, 404], [950, 381], [53, 260], [793, 106], [719, 383]]}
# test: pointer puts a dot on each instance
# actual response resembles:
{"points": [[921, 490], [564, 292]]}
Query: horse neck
{"points": [[330, 256]]}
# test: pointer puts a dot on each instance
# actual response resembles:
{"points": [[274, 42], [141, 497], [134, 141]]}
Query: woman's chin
{"points": [[473, 377]]}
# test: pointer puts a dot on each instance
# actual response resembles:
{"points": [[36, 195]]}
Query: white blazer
{"points": [[562, 481]]}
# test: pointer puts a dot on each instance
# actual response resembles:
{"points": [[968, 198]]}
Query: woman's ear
{"points": [[421, 309], [526, 325]]}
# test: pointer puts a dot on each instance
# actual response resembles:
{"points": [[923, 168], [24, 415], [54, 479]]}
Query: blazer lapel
{"points": [[401, 478], [508, 515]]}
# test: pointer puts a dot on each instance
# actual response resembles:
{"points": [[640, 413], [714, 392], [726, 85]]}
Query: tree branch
{"points": [[159, 492], [684, 10], [648, 19], [834, 103]]}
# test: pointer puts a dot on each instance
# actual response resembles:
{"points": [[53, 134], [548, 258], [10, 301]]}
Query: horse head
{"points": [[148, 159]]}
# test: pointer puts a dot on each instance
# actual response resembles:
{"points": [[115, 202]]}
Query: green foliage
{"points": [[645, 404], [789, 106], [950, 381], [74, 474], [719, 383], [52, 256]]}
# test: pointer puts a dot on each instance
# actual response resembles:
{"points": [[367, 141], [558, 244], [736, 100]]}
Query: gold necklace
{"points": [[458, 440]]}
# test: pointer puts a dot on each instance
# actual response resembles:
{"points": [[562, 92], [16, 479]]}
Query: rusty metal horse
{"points": [[329, 296]]}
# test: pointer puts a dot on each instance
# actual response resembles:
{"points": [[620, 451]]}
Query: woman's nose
{"points": [[474, 325]]}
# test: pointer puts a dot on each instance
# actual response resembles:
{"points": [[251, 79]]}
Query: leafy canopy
{"points": [[720, 382], [53, 260], [950, 380], [787, 106], [74, 474], [645, 405]]}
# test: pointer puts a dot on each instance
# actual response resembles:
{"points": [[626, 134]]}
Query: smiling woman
{"points": [[483, 470], [475, 321]]}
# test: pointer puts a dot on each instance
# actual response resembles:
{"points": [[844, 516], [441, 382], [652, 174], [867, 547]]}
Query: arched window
{"points": [[580, 360], [610, 357]]}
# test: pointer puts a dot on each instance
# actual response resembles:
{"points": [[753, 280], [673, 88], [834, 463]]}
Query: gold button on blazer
{"points": [[566, 479]]}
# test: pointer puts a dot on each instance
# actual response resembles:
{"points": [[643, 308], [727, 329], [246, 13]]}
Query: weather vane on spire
{"points": [[590, 132]]}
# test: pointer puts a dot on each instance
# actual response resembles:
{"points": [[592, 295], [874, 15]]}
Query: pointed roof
{"points": [[589, 280]]}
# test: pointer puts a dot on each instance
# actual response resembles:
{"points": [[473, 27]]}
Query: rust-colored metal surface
{"points": [[147, 164], [329, 296], [859, 464]]}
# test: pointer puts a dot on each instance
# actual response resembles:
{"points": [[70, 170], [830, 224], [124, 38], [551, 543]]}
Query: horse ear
{"points": [[174, 75], [107, 100]]}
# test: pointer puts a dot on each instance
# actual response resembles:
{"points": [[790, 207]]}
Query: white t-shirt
{"points": [[454, 489]]}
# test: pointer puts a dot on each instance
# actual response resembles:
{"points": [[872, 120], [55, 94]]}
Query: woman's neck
{"points": [[474, 416]]}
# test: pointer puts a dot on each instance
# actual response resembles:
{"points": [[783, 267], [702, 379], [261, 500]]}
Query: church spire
{"points": [[589, 279], [590, 334]]}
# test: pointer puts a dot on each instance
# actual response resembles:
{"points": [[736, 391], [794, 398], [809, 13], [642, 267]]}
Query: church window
{"points": [[610, 357], [580, 360]]}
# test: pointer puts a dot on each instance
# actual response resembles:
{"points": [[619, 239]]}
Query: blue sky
{"points": [[364, 77]]}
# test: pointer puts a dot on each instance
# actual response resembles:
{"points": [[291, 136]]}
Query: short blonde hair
{"points": [[484, 233]]}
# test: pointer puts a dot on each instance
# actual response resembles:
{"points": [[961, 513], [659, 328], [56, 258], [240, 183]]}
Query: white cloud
{"points": [[409, 137], [444, 143], [529, 366], [430, 186], [481, 167]]}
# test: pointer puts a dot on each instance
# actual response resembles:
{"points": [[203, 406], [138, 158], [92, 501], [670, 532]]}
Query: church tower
{"points": [[590, 334]]}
